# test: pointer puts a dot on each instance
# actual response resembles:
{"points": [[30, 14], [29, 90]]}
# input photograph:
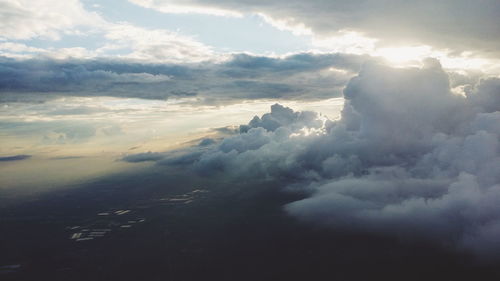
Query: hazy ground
{"points": [[224, 231]]}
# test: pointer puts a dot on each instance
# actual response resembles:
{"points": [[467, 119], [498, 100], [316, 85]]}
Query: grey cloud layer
{"points": [[14, 157], [301, 76], [452, 24], [408, 158]]}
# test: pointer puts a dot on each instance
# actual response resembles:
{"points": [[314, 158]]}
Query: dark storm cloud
{"points": [[14, 158], [243, 65], [177, 157], [228, 130], [408, 158], [87, 78], [143, 157], [302, 76], [457, 25], [206, 142]]}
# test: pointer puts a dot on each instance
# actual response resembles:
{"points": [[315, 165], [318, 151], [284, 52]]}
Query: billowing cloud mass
{"points": [[300, 77], [458, 25], [408, 158]]}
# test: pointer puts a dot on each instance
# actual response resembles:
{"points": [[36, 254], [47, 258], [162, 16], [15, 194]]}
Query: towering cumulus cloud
{"points": [[407, 158], [415, 160]]}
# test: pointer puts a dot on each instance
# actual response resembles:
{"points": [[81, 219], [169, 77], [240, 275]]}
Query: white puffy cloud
{"points": [[24, 19]]}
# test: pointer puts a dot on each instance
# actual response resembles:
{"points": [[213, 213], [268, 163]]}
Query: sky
{"points": [[385, 114]]}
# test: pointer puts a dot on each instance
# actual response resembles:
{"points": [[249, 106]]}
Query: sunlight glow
{"points": [[405, 55], [402, 56], [414, 56]]}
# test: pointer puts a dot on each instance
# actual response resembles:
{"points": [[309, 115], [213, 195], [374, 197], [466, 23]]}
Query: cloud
{"points": [[66, 157], [143, 157], [463, 34], [281, 116], [58, 131], [486, 94], [456, 25], [90, 78], [8, 48], [185, 9], [207, 142], [24, 19], [52, 20], [77, 110], [408, 158], [155, 45], [296, 77], [14, 158]]}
